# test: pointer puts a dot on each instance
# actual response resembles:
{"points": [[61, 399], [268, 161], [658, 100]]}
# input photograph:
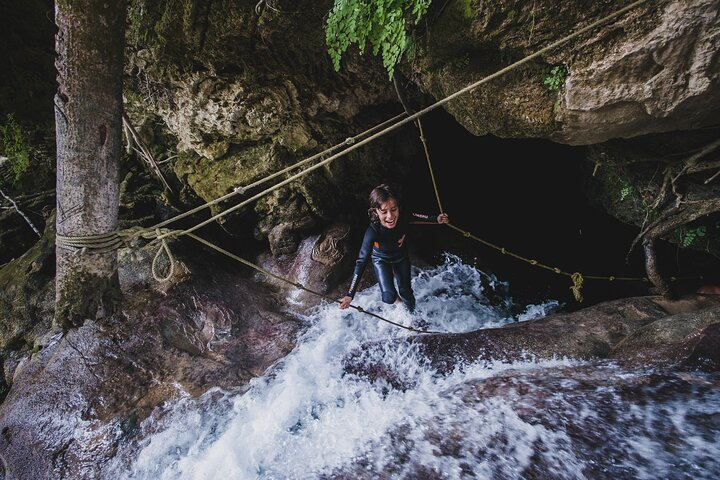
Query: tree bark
{"points": [[88, 118], [661, 286]]}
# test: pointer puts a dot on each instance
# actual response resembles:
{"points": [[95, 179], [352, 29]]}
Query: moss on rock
{"points": [[27, 293]]}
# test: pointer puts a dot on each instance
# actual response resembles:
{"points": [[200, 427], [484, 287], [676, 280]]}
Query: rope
{"points": [[108, 242], [576, 277], [100, 243], [427, 156], [163, 248], [301, 286], [241, 190], [557, 270], [418, 124]]}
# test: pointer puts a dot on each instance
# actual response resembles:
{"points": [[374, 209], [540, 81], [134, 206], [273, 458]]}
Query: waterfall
{"points": [[308, 418]]}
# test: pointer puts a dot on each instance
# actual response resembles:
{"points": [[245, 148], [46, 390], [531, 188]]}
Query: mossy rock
{"points": [[27, 293]]}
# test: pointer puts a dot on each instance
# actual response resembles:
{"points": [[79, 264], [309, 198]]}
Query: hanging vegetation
{"points": [[382, 23]]}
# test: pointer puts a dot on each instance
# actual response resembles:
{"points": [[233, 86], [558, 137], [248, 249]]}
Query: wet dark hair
{"points": [[378, 196]]}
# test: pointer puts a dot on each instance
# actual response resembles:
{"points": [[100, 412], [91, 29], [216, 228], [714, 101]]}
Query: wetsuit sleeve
{"points": [[424, 217], [362, 260]]}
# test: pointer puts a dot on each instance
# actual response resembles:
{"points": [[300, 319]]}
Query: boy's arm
{"points": [[440, 218], [362, 261]]}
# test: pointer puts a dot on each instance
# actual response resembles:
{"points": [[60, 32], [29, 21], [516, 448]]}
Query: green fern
{"points": [[14, 146], [381, 23], [690, 235]]}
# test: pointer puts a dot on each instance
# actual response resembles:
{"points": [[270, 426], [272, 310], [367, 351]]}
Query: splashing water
{"points": [[559, 419]]}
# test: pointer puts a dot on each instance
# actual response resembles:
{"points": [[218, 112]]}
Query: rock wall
{"points": [[653, 69]]}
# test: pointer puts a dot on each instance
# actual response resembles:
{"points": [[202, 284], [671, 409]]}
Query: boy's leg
{"points": [[402, 276], [384, 274]]}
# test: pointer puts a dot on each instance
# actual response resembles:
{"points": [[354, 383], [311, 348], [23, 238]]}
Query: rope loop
{"points": [[466, 234], [163, 248], [577, 279], [557, 270], [533, 262], [611, 278], [350, 141]]}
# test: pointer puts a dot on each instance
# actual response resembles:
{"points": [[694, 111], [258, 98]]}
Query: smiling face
{"points": [[388, 213]]}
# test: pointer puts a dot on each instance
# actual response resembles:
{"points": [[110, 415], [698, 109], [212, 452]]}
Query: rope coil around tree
{"points": [[108, 242]]}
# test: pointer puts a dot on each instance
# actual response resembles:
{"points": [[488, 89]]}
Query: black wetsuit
{"points": [[389, 258]]}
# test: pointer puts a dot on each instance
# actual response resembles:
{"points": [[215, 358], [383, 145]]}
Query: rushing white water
{"points": [[309, 419]]}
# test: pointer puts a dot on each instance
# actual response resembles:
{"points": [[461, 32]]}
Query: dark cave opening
{"points": [[527, 196]]}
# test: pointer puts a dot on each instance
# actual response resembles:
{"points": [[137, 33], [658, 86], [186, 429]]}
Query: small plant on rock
{"points": [[555, 77]]}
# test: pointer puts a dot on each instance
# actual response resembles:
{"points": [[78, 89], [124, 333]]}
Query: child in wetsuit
{"points": [[384, 244]]}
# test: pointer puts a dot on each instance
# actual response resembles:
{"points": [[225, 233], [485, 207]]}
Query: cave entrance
{"points": [[528, 196]]}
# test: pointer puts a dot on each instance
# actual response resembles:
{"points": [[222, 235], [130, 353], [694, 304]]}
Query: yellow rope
{"points": [[427, 156], [577, 279]]}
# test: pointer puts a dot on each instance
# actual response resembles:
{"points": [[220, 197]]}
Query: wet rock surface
{"points": [[636, 331], [556, 423], [83, 392]]}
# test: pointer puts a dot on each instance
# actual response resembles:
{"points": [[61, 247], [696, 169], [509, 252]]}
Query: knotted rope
{"points": [[108, 242]]}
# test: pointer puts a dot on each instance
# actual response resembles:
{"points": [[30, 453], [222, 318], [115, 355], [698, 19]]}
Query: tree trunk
{"points": [[88, 118], [661, 286]]}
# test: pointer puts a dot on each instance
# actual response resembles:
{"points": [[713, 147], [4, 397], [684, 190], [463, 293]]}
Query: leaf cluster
{"points": [[555, 77], [689, 236], [14, 146], [381, 23]]}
